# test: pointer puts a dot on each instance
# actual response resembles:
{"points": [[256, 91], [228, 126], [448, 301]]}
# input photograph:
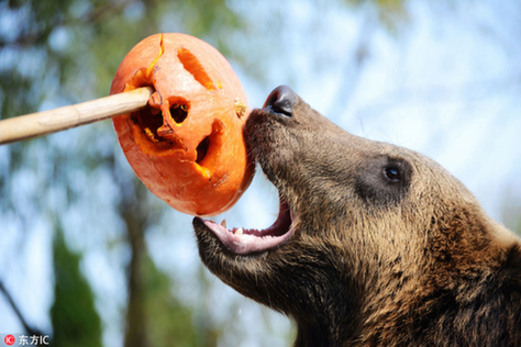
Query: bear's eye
{"points": [[392, 173], [384, 180]]}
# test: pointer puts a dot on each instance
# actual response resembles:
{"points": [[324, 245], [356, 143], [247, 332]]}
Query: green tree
{"points": [[169, 322], [74, 318]]}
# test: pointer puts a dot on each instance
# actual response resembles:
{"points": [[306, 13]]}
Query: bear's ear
{"points": [[383, 180], [513, 258]]}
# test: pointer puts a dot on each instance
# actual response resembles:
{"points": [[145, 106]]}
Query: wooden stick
{"points": [[41, 123]]}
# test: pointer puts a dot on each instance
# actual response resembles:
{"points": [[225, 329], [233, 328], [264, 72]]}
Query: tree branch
{"points": [[29, 329]]}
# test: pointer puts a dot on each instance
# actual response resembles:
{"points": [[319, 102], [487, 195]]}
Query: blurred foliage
{"points": [[390, 12], [73, 315], [169, 322], [60, 52]]}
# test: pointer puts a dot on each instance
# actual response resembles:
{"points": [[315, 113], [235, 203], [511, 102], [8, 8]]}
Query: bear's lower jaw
{"points": [[249, 241]]}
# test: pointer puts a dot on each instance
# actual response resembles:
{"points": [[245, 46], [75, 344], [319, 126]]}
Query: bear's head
{"points": [[363, 226]]}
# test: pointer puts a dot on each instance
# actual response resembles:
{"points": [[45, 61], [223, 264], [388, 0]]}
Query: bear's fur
{"points": [[386, 247]]}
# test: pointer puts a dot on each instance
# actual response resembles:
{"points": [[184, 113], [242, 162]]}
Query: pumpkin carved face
{"points": [[187, 144]]}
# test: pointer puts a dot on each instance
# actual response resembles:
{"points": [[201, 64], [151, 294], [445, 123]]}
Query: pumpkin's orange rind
{"points": [[187, 145]]}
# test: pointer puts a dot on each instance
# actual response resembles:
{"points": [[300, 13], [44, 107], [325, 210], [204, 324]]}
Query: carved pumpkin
{"points": [[187, 145]]}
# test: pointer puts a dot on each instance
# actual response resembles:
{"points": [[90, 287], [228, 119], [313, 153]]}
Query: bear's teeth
{"points": [[223, 223], [239, 232], [292, 215]]}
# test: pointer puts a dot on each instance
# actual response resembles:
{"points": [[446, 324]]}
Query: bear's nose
{"points": [[281, 101]]}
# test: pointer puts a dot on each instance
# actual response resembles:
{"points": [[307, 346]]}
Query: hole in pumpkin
{"points": [[149, 119], [209, 149], [202, 149], [192, 65], [178, 112]]}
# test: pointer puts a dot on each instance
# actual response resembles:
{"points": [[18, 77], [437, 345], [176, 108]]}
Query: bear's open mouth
{"points": [[247, 241]]}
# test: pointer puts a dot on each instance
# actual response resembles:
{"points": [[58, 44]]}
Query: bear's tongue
{"points": [[247, 241]]}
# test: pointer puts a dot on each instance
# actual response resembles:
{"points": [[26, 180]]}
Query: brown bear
{"points": [[374, 244]]}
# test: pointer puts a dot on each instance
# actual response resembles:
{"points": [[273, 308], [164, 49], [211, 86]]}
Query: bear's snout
{"points": [[281, 101]]}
